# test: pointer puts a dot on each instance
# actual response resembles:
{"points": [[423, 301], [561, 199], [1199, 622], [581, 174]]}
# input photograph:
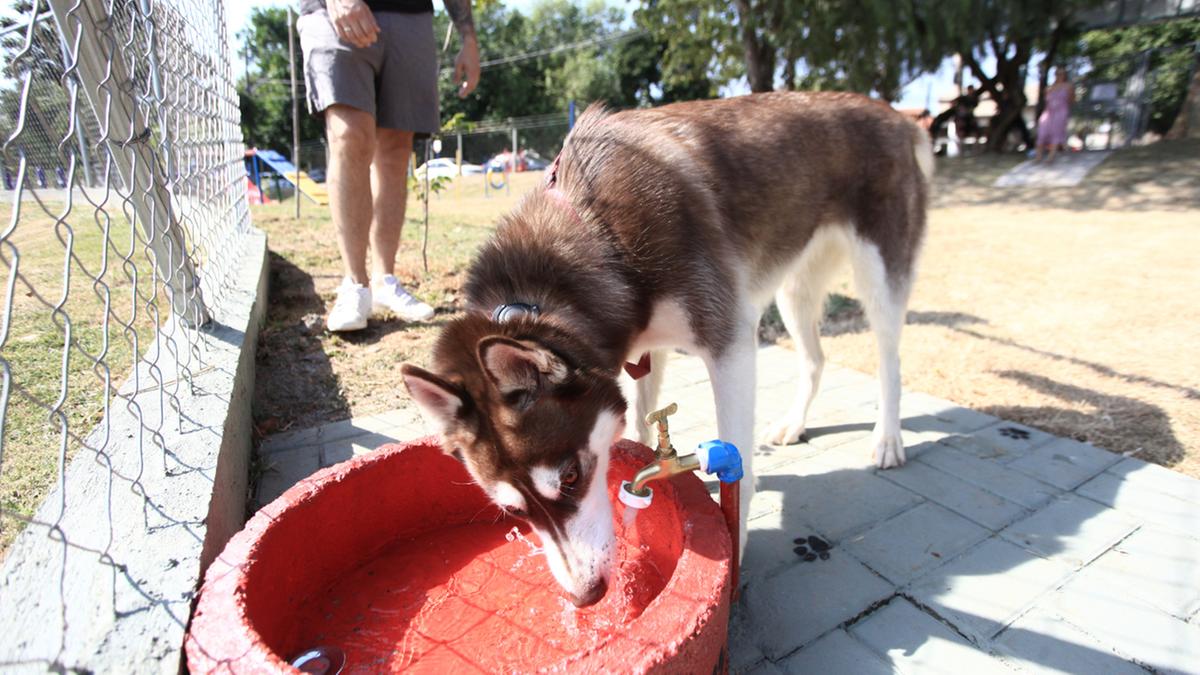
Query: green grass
{"points": [[42, 398]]}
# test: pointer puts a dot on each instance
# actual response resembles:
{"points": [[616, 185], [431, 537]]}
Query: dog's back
{"points": [[766, 170]]}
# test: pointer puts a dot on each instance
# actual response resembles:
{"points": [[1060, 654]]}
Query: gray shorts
{"points": [[394, 79]]}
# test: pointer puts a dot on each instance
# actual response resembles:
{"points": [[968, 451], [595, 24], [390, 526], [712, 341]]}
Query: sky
{"points": [[922, 93]]}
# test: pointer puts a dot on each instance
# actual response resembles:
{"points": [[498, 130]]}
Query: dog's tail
{"points": [[923, 151]]}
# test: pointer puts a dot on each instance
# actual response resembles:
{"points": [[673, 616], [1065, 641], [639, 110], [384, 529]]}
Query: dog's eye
{"points": [[570, 475]]}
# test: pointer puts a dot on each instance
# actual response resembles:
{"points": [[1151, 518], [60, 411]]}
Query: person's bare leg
{"points": [[351, 136], [1053, 152], [389, 184]]}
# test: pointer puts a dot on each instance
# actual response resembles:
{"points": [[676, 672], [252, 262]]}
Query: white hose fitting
{"points": [[631, 500]]}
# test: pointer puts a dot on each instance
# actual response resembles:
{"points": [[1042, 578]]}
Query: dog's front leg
{"points": [[733, 381]]}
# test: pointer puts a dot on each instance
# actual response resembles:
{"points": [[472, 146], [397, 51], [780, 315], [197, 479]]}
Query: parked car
{"points": [[444, 167], [527, 160]]}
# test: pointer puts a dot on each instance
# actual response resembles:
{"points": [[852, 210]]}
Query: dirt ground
{"points": [[1068, 309]]}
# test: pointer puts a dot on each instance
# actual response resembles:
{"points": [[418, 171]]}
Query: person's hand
{"points": [[353, 21], [466, 67]]}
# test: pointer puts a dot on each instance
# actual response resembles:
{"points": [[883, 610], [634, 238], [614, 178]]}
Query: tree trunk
{"points": [[1187, 123], [760, 56], [789, 74]]}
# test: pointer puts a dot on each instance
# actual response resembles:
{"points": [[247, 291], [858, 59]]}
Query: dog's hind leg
{"points": [[884, 301], [800, 300], [733, 380], [645, 394]]}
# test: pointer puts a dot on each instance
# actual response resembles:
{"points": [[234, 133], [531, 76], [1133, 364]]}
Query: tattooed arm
{"points": [[466, 65]]}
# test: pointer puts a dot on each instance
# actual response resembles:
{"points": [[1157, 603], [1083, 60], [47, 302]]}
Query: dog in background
{"points": [[659, 229]]}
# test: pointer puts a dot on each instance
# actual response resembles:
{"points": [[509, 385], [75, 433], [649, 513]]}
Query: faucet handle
{"points": [[660, 416]]}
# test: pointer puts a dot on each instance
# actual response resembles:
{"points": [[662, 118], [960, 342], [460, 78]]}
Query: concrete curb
{"points": [[107, 584]]}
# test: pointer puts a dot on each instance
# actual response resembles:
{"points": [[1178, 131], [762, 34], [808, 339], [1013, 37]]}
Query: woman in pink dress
{"points": [[1052, 125]]}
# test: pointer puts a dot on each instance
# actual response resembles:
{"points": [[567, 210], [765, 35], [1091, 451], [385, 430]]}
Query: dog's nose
{"points": [[592, 595]]}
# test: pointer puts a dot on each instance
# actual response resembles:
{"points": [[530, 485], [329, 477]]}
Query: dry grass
{"points": [[1069, 309]]}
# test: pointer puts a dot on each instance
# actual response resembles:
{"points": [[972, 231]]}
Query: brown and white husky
{"points": [[670, 228]]}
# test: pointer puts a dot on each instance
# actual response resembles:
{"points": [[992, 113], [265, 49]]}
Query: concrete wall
{"points": [[106, 584]]}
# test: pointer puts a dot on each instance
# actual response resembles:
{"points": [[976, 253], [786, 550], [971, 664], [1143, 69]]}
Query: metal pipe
{"points": [[663, 468], [295, 108]]}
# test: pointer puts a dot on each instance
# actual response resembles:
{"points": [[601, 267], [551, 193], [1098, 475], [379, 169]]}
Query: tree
{"points": [[1011, 32], [874, 46], [1114, 55], [265, 92]]}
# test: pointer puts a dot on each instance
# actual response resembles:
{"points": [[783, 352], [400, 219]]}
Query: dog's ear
{"points": [[440, 401], [520, 367]]}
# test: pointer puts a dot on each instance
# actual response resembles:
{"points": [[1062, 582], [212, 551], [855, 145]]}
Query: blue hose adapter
{"points": [[720, 458]]}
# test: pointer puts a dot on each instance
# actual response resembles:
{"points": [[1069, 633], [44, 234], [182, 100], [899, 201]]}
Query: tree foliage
{"points": [[871, 46], [264, 92], [1114, 54]]}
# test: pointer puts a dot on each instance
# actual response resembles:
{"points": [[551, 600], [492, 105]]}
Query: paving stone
{"points": [[989, 586], [1003, 441], [743, 652], [915, 642], [859, 454], [769, 545], [843, 426], [1115, 616], [995, 478], [283, 469], [832, 402], [315, 435], [1136, 472], [835, 377], [1072, 530], [981, 506], [1164, 567], [1042, 642], [1144, 502], [769, 498], [1064, 463], [839, 501], [794, 607], [934, 413], [763, 668], [913, 542], [346, 448], [837, 652], [773, 459]]}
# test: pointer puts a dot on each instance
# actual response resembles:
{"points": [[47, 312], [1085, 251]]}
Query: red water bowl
{"points": [[398, 561]]}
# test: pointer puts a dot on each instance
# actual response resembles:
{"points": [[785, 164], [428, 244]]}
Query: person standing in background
{"points": [[371, 70], [1052, 125]]}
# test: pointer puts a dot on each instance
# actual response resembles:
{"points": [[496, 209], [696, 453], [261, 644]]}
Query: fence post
{"points": [[99, 67], [295, 106], [514, 149]]}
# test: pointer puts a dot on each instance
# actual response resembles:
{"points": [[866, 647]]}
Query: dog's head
{"points": [[534, 429]]}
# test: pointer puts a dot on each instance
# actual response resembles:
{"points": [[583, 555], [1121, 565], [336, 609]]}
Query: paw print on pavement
{"points": [[811, 547], [1014, 433]]}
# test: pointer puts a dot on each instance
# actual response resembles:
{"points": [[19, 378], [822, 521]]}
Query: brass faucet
{"points": [[667, 462]]}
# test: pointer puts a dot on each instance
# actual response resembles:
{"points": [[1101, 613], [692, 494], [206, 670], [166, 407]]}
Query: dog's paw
{"points": [[784, 432], [889, 451]]}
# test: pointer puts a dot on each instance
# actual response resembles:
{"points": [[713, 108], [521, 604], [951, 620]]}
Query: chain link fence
{"points": [[124, 209], [1120, 100]]}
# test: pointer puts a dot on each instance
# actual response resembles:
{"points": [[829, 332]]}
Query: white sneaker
{"points": [[390, 295], [351, 308]]}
